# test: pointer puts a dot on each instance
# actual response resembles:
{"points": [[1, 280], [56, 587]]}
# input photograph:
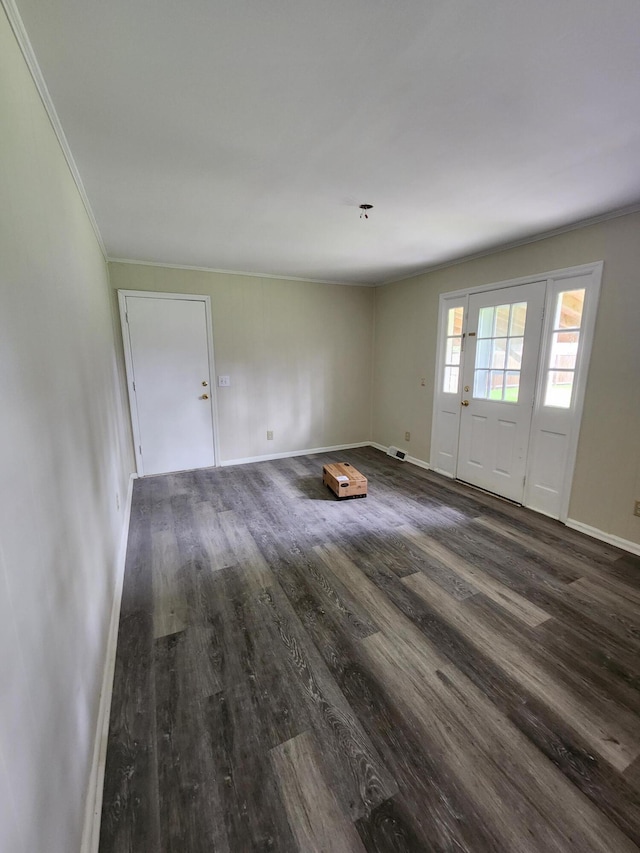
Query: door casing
{"points": [[128, 359], [445, 427]]}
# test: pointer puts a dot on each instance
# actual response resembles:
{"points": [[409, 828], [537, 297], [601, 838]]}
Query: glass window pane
{"points": [[453, 351], [559, 388], [454, 321], [496, 385], [564, 349], [481, 384], [483, 353], [499, 353], [569, 309], [485, 322], [512, 386], [502, 321], [518, 318], [514, 362], [451, 380]]}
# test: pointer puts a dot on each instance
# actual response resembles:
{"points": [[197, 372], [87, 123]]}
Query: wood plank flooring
{"points": [[427, 669]]}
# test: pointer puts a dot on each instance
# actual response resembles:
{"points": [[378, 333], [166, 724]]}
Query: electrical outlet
{"points": [[407, 436], [224, 381], [269, 435], [636, 508]]}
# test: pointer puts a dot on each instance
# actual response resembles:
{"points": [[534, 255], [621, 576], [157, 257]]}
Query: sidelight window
{"points": [[455, 318], [565, 340]]}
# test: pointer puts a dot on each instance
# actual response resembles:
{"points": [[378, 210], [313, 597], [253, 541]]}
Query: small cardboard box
{"points": [[344, 480]]}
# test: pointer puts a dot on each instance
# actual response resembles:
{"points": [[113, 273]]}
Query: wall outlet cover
{"points": [[224, 381]]}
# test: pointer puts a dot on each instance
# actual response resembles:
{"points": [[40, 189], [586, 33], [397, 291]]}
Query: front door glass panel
{"points": [[499, 352]]}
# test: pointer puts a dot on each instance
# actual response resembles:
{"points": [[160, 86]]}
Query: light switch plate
{"points": [[224, 381]]}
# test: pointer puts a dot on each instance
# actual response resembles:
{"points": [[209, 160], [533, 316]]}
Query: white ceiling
{"points": [[243, 135]]}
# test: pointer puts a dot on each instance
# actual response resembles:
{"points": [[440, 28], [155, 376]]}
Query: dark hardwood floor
{"points": [[428, 669]]}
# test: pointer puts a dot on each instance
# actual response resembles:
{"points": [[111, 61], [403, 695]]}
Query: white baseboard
{"points": [[266, 458], [91, 831], [447, 474], [419, 462], [609, 538], [412, 459], [269, 456]]}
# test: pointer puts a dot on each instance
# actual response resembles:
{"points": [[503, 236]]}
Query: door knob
{"points": [[204, 397], [465, 403], [204, 384]]}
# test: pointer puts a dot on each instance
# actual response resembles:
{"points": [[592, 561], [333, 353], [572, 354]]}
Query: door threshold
{"points": [[487, 492]]}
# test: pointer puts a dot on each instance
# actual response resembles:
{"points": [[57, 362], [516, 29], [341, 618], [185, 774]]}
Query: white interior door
{"points": [[499, 380], [170, 391]]}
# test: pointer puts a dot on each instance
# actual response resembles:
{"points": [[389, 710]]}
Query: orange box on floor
{"points": [[344, 480]]}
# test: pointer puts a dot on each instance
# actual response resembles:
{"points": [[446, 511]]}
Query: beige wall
{"points": [[63, 458], [298, 354], [607, 475]]}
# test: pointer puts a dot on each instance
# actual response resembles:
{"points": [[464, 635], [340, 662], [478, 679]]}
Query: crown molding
{"points": [[20, 32], [524, 241], [238, 272]]}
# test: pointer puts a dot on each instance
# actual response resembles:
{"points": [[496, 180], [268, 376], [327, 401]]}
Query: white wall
{"points": [[64, 456], [607, 474], [298, 354]]}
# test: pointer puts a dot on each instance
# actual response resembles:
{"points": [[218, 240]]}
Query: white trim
{"points": [[269, 456], [213, 397], [446, 474], [133, 403], [609, 538], [93, 806], [412, 459], [420, 463], [440, 345], [239, 272], [160, 294], [564, 272], [505, 247], [20, 32]]}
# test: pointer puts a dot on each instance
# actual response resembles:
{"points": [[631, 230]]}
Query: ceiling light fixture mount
{"points": [[364, 210]]}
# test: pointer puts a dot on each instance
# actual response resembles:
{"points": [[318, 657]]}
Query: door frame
{"points": [[128, 362], [553, 279]]}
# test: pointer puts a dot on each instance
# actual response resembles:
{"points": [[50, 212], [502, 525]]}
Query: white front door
{"points": [[167, 348], [498, 386]]}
